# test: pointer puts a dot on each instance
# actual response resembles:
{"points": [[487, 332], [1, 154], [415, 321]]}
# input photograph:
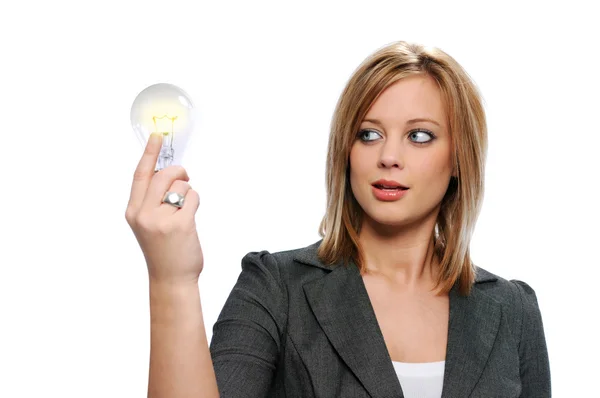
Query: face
{"points": [[393, 144]]}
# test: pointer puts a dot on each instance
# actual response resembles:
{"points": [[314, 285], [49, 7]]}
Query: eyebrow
{"points": [[411, 121]]}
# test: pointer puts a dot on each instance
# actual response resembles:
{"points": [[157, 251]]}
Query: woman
{"points": [[388, 303]]}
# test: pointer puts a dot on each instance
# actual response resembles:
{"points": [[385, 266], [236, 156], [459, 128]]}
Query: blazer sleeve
{"points": [[246, 337], [533, 353]]}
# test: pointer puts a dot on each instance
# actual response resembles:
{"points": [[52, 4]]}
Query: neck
{"points": [[403, 256]]}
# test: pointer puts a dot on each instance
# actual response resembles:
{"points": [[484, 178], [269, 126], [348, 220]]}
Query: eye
{"points": [[421, 136], [362, 133]]}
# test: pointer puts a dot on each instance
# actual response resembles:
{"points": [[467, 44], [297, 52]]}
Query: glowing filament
{"points": [[164, 124]]}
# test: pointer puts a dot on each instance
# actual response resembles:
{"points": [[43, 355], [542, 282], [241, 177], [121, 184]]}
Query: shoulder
{"points": [[293, 258], [513, 292], [295, 266], [517, 298], [520, 307]]}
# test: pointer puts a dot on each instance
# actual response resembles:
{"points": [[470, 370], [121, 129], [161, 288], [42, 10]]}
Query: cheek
{"points": [[356, 165], [432, 168]]}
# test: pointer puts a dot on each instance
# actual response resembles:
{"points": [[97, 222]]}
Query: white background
{"points": [[74, 315]]}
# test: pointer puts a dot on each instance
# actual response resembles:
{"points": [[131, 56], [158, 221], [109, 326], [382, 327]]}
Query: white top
{"points": [[421, 380]]}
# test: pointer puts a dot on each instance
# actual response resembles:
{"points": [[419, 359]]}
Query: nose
{"points": [[391, 155]]}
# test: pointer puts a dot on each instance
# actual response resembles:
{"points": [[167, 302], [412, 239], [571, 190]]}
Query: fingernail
{"points": [[155, 137]]}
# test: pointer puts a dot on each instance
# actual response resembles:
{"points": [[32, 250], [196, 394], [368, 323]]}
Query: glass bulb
{"points": [[168, 110]]}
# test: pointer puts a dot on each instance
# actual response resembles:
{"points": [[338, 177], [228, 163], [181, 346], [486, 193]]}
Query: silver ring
{"points": [[174, 199]]}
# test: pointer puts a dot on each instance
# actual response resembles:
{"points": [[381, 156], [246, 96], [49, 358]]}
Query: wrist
{"points": [[179, 283], [173, 301], [171, 291]]}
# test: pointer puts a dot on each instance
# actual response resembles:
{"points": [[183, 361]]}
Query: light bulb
{"points": [[167, 110]]}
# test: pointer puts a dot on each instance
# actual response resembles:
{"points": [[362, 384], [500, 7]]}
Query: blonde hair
{"points": [[462, 202]]}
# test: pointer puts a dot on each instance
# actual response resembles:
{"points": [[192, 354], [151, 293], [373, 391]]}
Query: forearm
{"points": [[180, 361]]}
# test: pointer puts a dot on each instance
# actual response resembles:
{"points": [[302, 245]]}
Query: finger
{"points": [[190, 205], [161, 183], [144, 171], [179, 186]]}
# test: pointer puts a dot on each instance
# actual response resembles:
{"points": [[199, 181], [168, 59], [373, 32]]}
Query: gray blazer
{"points": [[293, 327]]}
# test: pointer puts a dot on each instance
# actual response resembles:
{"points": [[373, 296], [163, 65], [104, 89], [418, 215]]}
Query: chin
{"points": [[388, 216]]}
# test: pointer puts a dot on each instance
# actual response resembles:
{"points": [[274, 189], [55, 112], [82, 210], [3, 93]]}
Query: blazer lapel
{"points": [[473, 327], [342, 307]]}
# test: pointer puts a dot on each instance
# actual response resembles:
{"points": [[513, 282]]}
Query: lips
{"points": [[389, 194], [388, 184], [388, 187]]}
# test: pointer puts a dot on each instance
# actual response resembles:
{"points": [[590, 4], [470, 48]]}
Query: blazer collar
{"points": [[308, 256], [342, 307]]}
